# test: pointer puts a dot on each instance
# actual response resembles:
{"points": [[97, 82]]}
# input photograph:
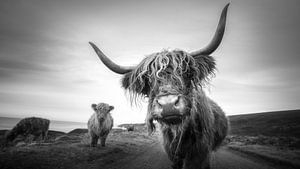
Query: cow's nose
{"points": [[168, 100], [170, 104], [169, 107]]}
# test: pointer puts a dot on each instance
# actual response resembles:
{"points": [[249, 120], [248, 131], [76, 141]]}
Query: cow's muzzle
{"points": [[169, 108]]}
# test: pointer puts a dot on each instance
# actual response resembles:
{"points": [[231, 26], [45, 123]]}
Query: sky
{"points": [[48, 69]]}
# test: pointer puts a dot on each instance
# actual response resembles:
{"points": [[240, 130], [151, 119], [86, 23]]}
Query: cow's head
{"points": [[102, 110], [10, 135], [168, 77]]}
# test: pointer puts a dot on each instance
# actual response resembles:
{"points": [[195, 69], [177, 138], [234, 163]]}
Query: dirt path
{"points": [[152, 158], [227, 159], [155, 158]]}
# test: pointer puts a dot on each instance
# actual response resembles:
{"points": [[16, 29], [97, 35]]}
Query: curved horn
{"points": [[215, 42], [110, 64]]}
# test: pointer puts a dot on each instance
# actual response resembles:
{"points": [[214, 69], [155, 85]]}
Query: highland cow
{"points": [[130, 128], [100, 123], [192, 125], [38, 127]]}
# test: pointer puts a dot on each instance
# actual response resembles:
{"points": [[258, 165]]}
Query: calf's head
{"points": [[167, 78], [102, 110]]}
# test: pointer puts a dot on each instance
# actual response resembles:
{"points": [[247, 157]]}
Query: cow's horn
{"points": [[215, 42], [110, 64]]}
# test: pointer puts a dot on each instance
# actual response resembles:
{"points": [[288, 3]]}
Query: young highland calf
{"points": [[29, 126], [100, 123], [192, 125]]}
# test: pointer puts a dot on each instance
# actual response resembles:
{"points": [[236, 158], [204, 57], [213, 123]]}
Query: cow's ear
{"points": [[134, 85], [126, 80], [206, 66], [94, 106]]}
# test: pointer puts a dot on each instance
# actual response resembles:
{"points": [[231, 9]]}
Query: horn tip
{"points": [[94, 47], [226, 6], [91, 43]]}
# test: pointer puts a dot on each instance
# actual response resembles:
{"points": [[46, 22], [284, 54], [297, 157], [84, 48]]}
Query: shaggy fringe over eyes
{"points": [[156, 67]]}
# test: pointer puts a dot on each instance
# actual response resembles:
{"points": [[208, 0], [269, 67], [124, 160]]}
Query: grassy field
{"points": [[278, 124], [273, 136], [72, 150], [280, 129]]}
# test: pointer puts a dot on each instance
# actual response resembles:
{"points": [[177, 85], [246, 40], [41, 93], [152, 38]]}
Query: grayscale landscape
{"points": [[268, 140]]}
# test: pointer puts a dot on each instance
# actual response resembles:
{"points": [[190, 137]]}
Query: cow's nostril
{"points": [[176, 102], [157, 102]]}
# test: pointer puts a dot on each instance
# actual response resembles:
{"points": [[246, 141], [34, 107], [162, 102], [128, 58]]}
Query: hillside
{"points": [[280, 123]]}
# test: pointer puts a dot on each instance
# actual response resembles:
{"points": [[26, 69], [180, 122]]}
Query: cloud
{"points": [[47, 67]]}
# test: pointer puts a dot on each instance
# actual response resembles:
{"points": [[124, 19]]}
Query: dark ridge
{"points": [[278, 123], [78, 131]]}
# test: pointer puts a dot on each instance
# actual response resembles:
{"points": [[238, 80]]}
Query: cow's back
{"points": [[32, 125]]}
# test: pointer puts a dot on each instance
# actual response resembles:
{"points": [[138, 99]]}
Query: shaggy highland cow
{"points": [[100, 123], [192, 125], [29, 126]]}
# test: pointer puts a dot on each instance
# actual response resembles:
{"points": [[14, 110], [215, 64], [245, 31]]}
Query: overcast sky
{"points": [[48, 69]]}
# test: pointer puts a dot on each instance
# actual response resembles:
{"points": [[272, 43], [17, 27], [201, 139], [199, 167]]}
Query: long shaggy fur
{"points": [[189, 144], [152, 69], [100, 123], [205, 125], [29, 126]]}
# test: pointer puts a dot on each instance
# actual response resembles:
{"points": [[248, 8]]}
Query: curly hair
{"points": [[175, 65]]}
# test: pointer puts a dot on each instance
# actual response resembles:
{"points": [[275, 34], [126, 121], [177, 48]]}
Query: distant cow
{"points": [[29, 126], [192, 124], [130, 128], [100, 123]]}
